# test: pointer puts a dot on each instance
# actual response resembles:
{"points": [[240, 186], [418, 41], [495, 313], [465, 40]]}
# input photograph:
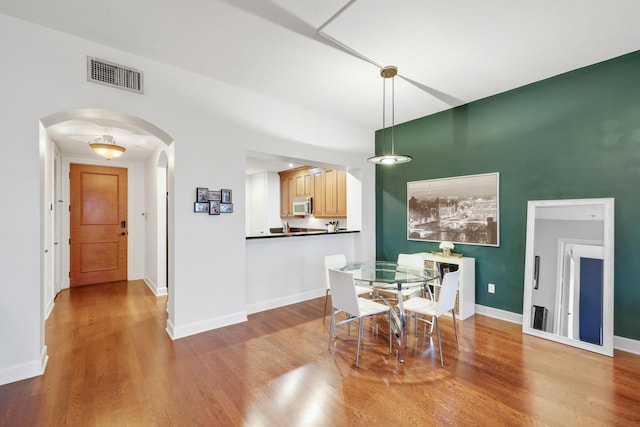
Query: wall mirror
{"points": [[568, 276]]}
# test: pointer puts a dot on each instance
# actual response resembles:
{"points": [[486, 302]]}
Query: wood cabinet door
{"points": [[285, 197], [318, 194], [341, 193], [329, 191]]}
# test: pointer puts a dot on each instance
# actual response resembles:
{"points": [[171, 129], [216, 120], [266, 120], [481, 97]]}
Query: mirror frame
{"points": [[608, 267]]}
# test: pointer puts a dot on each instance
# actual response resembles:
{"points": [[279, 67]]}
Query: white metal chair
{"points": [[337, 261], [446, 302], [411, 261], [344, 299]]}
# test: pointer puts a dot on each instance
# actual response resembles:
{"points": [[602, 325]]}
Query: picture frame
{"points": [[226, 207], [226, 196], [202, 194], [214, 207], [215, 195], [201, 207], [461, 210]]}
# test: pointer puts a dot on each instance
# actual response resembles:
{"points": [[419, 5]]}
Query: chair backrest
{"points": [[447, 298], [411, 260], [338, 260], [343, 292]]}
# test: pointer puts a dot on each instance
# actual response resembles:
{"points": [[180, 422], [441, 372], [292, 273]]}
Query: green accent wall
{"points": [[576, 135]]}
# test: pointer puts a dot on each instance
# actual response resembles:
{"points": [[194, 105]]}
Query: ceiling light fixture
{"points": [[389, 72], [106, 147]]}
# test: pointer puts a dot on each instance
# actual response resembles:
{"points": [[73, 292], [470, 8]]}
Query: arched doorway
{"points": [[64, 138]]}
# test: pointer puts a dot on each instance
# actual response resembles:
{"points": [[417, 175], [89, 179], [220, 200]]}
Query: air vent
{"points": [[107, 73]]}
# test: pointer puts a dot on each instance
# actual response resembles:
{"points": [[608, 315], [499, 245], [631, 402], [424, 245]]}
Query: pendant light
{"points": [[106, 147], [389, 72]]}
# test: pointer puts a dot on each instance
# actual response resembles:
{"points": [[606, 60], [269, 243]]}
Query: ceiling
{"points": [[325, 56]]}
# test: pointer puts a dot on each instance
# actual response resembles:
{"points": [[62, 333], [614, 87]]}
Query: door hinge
{"points": [[69, 275], [69, 241]]}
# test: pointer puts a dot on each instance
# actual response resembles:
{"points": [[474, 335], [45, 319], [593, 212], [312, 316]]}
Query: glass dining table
{"points": [[392, 278]]}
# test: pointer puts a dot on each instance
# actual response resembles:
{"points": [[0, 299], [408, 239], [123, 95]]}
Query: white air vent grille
{"points": [[107, 73]]}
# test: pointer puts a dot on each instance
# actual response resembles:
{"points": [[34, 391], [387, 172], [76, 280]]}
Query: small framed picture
{"points": [[226, 207], [201, 207], [202, 194], [226, 196], [214, 207], [214, 195]]}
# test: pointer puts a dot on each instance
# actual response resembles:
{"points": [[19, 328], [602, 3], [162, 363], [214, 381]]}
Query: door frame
{"points": [[564, 244], [66, 220]]}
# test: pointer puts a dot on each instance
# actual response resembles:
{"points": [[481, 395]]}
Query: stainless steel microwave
{"points": [[302, 206]]}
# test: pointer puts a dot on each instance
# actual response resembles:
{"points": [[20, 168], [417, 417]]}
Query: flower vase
{"points": [[446, 252]]}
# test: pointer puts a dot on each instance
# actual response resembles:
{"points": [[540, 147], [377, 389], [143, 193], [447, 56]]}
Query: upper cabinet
{"points": [[327, 187], [335, 194]]}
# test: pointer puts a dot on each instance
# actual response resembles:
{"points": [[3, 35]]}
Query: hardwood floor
{"points": [[112, 363]]}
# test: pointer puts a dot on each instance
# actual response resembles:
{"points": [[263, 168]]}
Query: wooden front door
{"points": [[98, 224]]}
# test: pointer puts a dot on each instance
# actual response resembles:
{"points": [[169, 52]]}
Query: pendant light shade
{"points": [[389, 72], [106, 147]]}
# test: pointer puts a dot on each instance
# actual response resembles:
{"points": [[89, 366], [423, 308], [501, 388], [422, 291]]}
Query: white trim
{"points": [[619, 343], [626, 344], [496, 313], [25, 370], [154, 287], [204, 326], [49, 308], [283, 301]]}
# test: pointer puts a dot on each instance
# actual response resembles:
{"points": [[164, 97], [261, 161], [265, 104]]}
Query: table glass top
{"points": [[386, 272]]}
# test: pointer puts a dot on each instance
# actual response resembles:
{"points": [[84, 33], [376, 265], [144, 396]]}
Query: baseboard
{"points": [[49, 309], [25, 370], [626, 344], [508, 316], [619, 343], [204, 326], [288, 300], [154, 288]]}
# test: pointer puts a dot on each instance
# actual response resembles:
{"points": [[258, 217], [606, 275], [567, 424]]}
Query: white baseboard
{"points": [[508, 316], [177, 332], [154, 287], [25, 370], [626, 344], [49, 309], [619, 343], [281, 302]]}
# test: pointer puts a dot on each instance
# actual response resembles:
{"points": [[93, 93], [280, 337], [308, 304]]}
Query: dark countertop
{"points": [[294, 233]]}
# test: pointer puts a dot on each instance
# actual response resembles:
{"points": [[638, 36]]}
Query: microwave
{"points": [[302, 206]]}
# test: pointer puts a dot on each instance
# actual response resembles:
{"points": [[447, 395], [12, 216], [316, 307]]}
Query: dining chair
{"points": [[434, 309], [337, 261], [345, 299], [415, 261]]}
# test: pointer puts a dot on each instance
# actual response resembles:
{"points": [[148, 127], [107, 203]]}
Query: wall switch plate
{"points": [[492, 288]]}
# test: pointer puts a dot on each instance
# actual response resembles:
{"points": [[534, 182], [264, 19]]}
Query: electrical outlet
{"points": [[492, 288]]}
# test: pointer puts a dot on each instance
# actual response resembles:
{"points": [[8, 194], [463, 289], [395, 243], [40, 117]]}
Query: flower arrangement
{"points": [[447, 247]]}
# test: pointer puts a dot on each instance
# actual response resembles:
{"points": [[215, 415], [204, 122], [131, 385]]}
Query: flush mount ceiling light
{"points": [[106, 147], [389, 72]]}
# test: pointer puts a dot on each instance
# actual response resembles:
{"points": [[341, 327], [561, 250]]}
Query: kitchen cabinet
{"points": [[327, 187], [334, 196], [294, 183]]}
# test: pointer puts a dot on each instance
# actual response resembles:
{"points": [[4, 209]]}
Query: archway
{"points": [[63, 137]]}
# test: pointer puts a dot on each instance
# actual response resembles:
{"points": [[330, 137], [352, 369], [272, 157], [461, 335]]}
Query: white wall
{"points": [[213, 125]]}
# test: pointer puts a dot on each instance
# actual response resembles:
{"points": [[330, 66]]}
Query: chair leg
{"points": [[439, 343], [455, 327], [326, 298], [332, 328], [359, 336]]}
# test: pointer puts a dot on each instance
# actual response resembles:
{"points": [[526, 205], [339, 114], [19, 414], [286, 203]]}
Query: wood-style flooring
{"points": [[111, 363]]}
